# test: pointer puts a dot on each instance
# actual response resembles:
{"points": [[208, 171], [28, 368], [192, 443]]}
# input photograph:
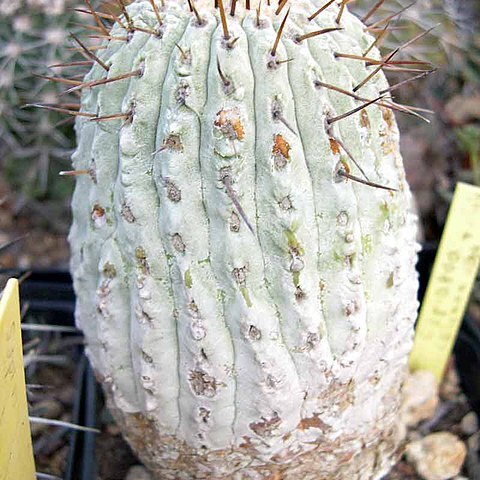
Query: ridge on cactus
{"points": [[243, 245]]}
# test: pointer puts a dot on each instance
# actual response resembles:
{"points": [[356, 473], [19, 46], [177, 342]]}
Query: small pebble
{"points": [[438, 456], [473, 463], [420, 397], [138, 472], [469, 424], [450, 386]]}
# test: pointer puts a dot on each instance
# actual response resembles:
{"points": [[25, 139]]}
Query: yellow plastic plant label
{"points": [[16, 455], [451, 282]]}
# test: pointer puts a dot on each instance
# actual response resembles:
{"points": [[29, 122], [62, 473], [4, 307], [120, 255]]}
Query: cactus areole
{"points": [[243, 252]]}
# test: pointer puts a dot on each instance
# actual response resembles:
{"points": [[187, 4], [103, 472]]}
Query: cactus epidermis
{"points": [[245, 284]]}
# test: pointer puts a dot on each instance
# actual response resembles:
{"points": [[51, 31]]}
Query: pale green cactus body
{"points": [[249, 309]]}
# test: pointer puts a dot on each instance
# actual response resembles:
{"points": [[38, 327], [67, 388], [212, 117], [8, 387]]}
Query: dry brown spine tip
{"points": [[420, 63], [281, 4], [74, 113], [157, 13], [82, 63], [70, 106], [115, 116], [318, 83], [300, 38], [106, 16], [223, 18], [59, 110], [403, 109], [92, 48], [417, 37], [90, 54], [344, 148], [247, 4], [125, 13], [226, 82], [80, 76], [399, 69], [354, 110], [64, 121], [89, 27], [390, 29], [273, 52], [96, 17], [259, 9], [233, 5], [227, 182], [279, 62], [379, 67], [116, 19], [109, 37], [66, 81], [372, 61], [377, 40], [408, 80], [345, 174], [193, 8], [340, 12], [146, 30], [412, 108], [320, 10], [103, 81], [182, 52], [372, 10]]}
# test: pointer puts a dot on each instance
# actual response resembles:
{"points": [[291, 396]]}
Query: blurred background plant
{"points": [[438, 154], [35, 144]]}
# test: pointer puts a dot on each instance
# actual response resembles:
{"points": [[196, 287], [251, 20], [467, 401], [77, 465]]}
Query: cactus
{"points": [[243, 246]]}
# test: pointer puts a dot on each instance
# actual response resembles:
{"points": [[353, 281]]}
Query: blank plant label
{"points": [[450, 284], [16, 455]]}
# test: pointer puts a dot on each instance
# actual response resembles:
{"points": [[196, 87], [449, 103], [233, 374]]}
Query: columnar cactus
{"points": [[243, 252]]}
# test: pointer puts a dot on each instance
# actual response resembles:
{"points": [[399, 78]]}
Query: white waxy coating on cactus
{"points": [[252, 309]]}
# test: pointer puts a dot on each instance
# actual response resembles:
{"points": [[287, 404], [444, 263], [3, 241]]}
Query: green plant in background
{"points": [[35, 144]]}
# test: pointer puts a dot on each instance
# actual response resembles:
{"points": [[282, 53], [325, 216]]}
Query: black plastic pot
{"points": [[51, 299]]}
